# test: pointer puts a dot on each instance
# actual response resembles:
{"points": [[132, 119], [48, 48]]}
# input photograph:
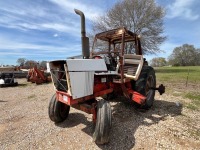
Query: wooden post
{"points": [[187, 78]]}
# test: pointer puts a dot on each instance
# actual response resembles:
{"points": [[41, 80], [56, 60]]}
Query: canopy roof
{"points": [[115, 35]]}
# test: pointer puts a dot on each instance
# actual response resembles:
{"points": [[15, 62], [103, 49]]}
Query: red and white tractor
{"points": [[88, 84]]}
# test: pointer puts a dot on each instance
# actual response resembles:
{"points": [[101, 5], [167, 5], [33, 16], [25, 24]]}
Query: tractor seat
{"points": [[132, 66]]}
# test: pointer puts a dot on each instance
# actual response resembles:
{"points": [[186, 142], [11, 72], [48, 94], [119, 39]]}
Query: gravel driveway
{"points": [[24, 123]]}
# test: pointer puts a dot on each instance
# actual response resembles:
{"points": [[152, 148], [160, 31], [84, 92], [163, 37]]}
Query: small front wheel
{"points": [[103, 122], [58, 111]]}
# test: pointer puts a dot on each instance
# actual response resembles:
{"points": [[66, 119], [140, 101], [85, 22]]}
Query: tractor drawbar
{"points": [[161, 89]]}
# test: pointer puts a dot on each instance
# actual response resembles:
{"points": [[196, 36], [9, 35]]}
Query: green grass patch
{"points": [[194, 96], [181, 82], [195, 104], [177, 94], [178, 77], [178, 74], [195, 133], [23, 85], [192, 106]]}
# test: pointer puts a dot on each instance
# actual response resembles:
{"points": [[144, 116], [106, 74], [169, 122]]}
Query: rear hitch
{"points": [[161, 89]]}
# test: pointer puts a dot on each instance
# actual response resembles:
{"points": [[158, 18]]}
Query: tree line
{"points": [[185, 55], [25, 63]]}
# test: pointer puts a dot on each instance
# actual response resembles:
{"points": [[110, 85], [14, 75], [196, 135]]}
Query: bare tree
{"points": [[31, 63], [185, 55], [158, 62], [143, 17], [43, 64], [21, 61]]}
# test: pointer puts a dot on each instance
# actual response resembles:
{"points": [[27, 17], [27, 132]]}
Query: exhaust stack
{"points": [[84, 39]]}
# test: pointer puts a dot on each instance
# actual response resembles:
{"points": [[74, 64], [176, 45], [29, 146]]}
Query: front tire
{"points": [[103, 122], [58, 111]]}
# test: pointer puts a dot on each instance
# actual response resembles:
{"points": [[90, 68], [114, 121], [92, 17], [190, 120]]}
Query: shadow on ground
{"points": [[75, 119], [125, 121], [3, 101], [23, 84]]}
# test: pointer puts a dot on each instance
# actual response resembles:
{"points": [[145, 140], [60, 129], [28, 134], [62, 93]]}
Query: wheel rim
{"points": [[149, 84]]}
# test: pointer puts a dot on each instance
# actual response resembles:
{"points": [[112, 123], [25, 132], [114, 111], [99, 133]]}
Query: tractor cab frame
{"points": [[117, 41]]}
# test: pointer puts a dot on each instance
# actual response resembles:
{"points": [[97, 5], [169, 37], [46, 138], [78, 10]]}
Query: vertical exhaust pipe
{"points": [[84, 39]]}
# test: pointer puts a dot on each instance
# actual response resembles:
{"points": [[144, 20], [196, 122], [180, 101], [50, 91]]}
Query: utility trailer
{"points": [[88, 84], [37, 76]]}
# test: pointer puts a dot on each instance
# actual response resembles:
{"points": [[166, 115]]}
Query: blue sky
{"points": [[49, 29]]}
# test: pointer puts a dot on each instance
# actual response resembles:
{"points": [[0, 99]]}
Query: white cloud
{"points": [[61, 28], [17, 46], [49, 26], [21, 9], [55, 35], [37, 17], [182, 8], [90, 12]]}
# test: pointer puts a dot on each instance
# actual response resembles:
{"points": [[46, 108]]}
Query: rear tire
{"points": [[58, 111], [143, 85], [103, 122]]}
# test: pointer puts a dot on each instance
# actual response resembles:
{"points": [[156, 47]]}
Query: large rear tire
{"points": [[144, 85], [103, 122], [58, 111]]}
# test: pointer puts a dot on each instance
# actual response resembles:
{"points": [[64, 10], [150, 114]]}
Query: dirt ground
{"points": [[24, 123]]}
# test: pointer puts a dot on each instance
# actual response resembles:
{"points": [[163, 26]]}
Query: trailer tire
{"points": [[58, 111], [28, 78], [103, 122], [146, 80]]}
